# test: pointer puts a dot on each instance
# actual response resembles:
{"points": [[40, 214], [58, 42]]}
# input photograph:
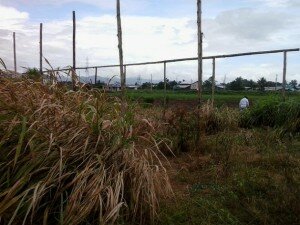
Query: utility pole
{"points": [[276, 82]]}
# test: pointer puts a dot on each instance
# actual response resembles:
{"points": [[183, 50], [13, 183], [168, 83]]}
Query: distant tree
{"points": [[236, 85], [207, 85], [146, 85], [294, 83], [262, 83], [33, 74], [252, 84], [170, 85]]}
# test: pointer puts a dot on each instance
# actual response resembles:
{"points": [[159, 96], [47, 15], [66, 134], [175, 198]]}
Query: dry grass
{"points": [[74, 158]]}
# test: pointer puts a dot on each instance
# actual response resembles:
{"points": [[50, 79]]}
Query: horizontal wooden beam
{"points": [[190, 59]]}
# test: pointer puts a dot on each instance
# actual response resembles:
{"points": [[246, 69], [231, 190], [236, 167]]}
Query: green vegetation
{"points": [[84, 158], [74, 158], [234, 175], [228, 98]]}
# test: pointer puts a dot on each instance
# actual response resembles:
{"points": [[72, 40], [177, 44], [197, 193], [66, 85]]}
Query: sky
{"points": [[155, 30]]}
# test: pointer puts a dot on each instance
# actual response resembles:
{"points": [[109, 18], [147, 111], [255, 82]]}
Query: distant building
{"points": [[279, 88], [182, 86], [194, 86], [133, 87], [113, 87]]}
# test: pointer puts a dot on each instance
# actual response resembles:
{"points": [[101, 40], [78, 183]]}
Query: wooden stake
{"points": [[41, 48], [96, 75], [200, 54], [284, 74], [125, 74], [74, 41], [120, 46], [165, 87], [151, 84], [15, 52], [74, 52], [213, 82]]}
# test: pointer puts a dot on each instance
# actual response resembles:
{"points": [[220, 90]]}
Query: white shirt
{"points": [[244, 103]]}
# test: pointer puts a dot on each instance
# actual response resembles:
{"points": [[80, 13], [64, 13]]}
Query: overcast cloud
{"points": [[259, 25]]}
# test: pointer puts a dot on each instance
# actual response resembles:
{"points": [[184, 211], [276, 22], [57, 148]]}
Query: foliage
{"points": [[262, 83], [294, 83], [274, 113], [33, 74], [75, 158], [247, 178], [207, 85]]}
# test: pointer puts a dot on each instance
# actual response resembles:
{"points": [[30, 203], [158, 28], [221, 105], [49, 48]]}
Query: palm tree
{"points": [[262, 82]]}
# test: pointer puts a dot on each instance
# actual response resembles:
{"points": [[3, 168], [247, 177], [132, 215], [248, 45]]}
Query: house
{"points": [[182, 86], [279, 88], [133, 87], [113, 87], [194, 86]]}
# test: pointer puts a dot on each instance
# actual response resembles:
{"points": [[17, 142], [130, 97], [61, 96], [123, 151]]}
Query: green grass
{"points": [[221, 98], [247, 178]]}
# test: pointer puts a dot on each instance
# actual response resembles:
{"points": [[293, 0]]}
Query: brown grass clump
{"points": [[75, 158]]}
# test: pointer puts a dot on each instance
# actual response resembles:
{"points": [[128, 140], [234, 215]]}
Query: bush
{"points": [[75, 158], [274, 113]]}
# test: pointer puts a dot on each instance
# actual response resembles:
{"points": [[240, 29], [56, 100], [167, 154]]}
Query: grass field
{"points": [[221, 98], [76, 158]]}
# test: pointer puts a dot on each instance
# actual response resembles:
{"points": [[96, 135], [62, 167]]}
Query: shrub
{"points": [[274, 113], [75, 158]]}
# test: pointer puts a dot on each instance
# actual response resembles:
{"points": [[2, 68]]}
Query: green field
{"points": [[221, 98]]}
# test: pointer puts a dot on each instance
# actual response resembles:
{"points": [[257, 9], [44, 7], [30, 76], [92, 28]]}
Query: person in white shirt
{"points": [[244, 103]]}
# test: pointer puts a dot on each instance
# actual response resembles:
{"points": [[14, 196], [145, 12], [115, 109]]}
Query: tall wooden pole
{"points": [[200, 53], [120, 46], [213, 87], [15, 52], [41, 48], [74, 52], [284, 74], [165, 87], [96, 75], [74, 41]]}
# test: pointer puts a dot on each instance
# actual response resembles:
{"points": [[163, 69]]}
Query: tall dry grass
{"points": [[74, 158]]}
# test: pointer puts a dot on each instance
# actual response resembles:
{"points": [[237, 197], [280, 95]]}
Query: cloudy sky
{"points": [[155, 30]]}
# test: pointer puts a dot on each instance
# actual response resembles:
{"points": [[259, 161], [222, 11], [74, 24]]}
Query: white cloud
{"points": [[157, 38]]}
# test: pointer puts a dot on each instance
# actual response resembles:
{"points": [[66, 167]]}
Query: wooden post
{"points": [[120, 46], [151, 84], [213, 87], [96, 75], [74, 41], [74, 52], [165, 87], [41, 49], [200, 54], [284, 74], [15, 52], [125, 75]]}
